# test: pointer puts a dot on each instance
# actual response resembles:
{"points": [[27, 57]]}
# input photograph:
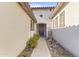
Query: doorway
{"points": [[41, 29]]}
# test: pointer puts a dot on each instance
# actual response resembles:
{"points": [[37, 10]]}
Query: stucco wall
{"points": [[44, 12], [33, 31], [71, 15], [69, 38], [45, 19], [14, 29]]}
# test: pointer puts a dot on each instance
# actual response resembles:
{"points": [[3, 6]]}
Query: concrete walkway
{"points": [[41, 50]]}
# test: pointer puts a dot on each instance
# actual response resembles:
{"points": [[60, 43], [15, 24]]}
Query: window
{"points": [[41, 15], [62, 19], [32, 25], [55, 22]]}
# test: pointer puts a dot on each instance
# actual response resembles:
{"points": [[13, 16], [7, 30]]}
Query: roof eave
{"points": [[59, 7], [27, 9], [42, 7]]}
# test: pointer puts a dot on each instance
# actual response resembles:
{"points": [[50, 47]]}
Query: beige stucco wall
{"points": [[68, 37], [14, 29], [71, 14], [44, 12], [33, 31], [45, 19]]}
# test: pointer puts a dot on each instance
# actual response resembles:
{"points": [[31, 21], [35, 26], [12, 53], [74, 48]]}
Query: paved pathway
{"points": [[41, 50]]}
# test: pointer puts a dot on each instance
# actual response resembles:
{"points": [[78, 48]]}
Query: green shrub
{"points": [[32, 42], [36, 36]]}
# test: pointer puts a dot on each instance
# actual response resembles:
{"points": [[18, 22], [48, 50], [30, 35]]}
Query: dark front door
{"points": [[41, 28]]}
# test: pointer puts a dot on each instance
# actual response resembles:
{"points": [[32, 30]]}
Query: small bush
{"points": [[36, 36], [32, 42]]}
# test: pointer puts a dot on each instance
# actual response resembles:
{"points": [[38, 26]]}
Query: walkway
{"points": [[41, 50]]}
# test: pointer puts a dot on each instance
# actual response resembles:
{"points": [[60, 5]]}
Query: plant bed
{"points": [[56, 50], [25, 53], [30, 45]]}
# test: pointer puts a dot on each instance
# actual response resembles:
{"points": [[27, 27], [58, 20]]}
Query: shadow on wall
{"points": [[68, 37]]}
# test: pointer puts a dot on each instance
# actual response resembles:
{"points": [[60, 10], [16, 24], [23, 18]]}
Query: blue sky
{"points": [[42, 4]]}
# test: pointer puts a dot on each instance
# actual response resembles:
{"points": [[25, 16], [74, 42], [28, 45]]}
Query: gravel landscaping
{"points": [[56, 50]]}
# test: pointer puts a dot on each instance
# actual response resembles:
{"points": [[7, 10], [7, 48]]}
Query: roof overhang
{"points": [[58, 8], [42, 7], [26, 7]]}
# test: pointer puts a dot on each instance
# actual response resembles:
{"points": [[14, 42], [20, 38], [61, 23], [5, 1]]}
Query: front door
{"points": [[41, 28]]}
